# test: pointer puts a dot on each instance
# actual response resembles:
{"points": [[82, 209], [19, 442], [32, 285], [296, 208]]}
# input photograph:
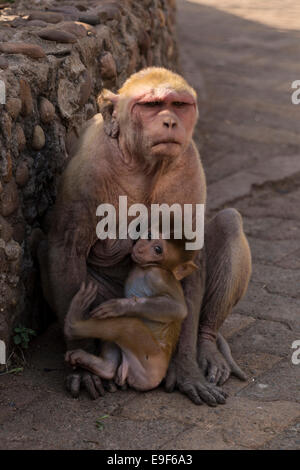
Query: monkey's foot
{"points": [[188, 378], [82, 378], [216, 361], [103, 368]]}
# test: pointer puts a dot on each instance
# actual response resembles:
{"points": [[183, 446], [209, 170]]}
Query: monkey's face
{"points": [[148, 252], [156, 251], [166, 119]]}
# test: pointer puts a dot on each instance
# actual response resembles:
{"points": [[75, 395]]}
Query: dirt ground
{"points": [[247, 54]]}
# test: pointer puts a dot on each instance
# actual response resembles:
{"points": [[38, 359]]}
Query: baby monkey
{"points": [[139, 332]]}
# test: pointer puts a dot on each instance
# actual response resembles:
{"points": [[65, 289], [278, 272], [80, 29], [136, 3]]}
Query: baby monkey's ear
{"points": [[107, 101], [184, 269]]}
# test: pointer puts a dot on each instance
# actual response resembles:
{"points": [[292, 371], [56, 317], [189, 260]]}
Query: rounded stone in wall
{"points": [[38, 138], [47, 110]]}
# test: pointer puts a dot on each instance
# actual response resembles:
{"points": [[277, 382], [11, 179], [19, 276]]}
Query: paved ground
{"points": [[248, 54]]}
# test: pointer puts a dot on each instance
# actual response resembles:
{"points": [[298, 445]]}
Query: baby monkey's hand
{"points": [[111, 308]]}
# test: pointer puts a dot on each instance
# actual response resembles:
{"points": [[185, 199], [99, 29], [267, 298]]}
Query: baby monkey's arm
{"points": [[162, 308], [165, 304]]}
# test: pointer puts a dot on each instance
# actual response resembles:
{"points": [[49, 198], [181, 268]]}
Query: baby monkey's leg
{"points": [[104, 366], [144, 363]]}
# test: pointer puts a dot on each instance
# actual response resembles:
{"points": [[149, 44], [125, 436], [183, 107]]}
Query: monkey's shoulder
{"points": [[88, 171]]}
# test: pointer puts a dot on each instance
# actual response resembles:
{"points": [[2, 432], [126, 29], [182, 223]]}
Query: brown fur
{"points": [[102, 169]]}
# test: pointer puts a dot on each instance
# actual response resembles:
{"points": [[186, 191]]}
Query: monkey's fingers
{"points": [[88, 382], [110, 386], [213, 374], [68, 356], [73, 384], [82, 287], [89, 297], [192, 392], [219, 394], [224, 376], [219, 375], [91, 288], [98, 384], [206, 395], [103, 312], [98, 312], [170, 380]]}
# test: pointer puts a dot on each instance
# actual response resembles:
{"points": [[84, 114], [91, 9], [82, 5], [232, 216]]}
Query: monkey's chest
{"points": [[138, 288], [109, 266]]}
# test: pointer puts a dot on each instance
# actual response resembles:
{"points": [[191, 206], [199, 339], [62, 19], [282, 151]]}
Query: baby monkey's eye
{"points": [[158, 249]]}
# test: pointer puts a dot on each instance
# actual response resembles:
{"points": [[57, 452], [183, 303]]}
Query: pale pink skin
{"points": [[168, 124]]}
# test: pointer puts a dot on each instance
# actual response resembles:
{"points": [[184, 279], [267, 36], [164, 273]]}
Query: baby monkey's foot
{"points": [[79, 357], [76, 357]]}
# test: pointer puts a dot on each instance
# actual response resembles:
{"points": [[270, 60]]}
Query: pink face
{"points": [[167, 117]]}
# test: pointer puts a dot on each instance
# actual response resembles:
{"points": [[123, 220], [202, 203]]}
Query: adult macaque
{"points": [[142, 148], [142, 329]]}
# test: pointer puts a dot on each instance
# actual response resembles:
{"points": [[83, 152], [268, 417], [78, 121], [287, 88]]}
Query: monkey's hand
{"points": [[79, 306], [187, 377], [216, 361], [82, 300], [111, 308]]}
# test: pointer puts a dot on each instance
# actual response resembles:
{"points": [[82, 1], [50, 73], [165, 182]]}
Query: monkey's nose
{"points": [[169, 122]]}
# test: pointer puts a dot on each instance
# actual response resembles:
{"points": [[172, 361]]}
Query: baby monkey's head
{"points": [[167, 254]]}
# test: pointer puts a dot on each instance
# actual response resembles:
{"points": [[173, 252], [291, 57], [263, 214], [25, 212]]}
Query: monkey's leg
{"points": [[144, 363], [102, 366], [228, 270], [184, 372], [112, 353]]}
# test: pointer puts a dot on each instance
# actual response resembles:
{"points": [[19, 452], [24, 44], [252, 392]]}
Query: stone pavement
{"points": [[247, 53]]}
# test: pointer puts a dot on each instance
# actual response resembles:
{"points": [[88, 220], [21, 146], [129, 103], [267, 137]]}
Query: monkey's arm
{"points": [[68, 244], [161, 308], [184, 371]]}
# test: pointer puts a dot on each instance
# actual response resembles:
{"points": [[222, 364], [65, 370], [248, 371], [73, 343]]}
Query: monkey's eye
{"points": [[152, 104], [179, 104], [158, 249]]}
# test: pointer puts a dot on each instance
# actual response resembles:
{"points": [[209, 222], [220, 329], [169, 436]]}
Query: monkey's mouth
{"points": [[169, 141]]}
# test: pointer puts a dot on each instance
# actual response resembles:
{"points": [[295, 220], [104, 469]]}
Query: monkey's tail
{"points": [[224, 348]]}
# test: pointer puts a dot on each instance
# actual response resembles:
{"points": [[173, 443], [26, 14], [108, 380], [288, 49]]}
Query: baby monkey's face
{"points": [[163, 253], [149, 251]]}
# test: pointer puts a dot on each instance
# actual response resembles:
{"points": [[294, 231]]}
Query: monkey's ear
{"points": [[184, 269], [107, 101]]}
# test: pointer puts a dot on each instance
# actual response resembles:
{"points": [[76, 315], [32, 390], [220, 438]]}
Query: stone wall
{"points": [[55, 57]]}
